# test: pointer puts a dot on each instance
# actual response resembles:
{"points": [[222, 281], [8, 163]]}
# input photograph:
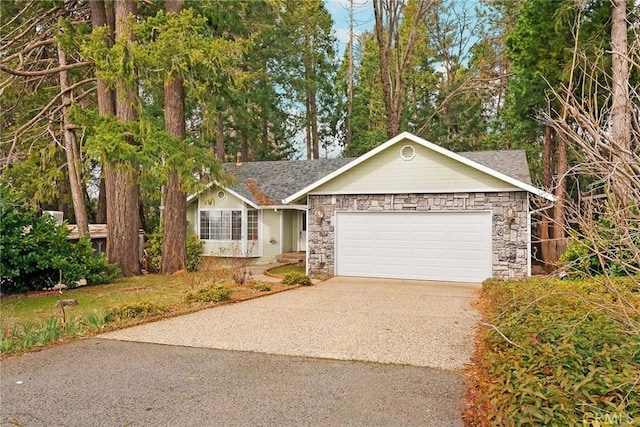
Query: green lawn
{"points": [[33, 320], [161, 290]]}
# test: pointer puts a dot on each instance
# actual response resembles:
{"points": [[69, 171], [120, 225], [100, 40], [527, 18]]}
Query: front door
{"points": [[302, 231]]}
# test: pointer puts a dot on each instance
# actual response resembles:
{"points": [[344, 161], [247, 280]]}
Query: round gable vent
{"points": [[407, 152], [221, 195]]}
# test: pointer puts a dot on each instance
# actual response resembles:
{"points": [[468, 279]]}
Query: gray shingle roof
{"points": [[269, 182], [512, 163]]}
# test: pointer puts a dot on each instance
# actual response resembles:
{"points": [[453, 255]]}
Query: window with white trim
{"points": [[225, 225], [252, 224]]}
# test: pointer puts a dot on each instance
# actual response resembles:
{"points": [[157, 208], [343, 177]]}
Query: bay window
{"points": [[228, 225]]}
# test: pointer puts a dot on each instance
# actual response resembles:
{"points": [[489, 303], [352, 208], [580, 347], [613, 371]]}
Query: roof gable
{"points": [[505, 161], [423, 171]]}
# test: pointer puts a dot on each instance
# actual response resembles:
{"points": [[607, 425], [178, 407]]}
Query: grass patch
{"points": [[32, 321], [287, 269], [557, 353]]}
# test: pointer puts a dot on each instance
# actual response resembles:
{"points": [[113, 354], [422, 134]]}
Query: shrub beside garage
{"points": [[558, 352]]}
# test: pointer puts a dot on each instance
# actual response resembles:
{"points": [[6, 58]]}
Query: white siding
{"points": [[427, 172]]}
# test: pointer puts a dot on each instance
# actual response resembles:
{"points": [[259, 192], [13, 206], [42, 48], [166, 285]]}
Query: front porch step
{"points": [[292, 257]]}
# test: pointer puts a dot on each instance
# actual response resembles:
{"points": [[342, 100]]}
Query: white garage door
{"points": [[448, 246]]}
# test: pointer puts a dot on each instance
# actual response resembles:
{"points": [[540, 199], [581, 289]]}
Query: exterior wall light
{"points": [[511, 215]]}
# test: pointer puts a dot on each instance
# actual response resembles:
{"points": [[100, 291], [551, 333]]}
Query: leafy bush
{"points": [[36, 253], [212, 293], [153, 246], [296, 279], [85, 264], [194, 250], [605, 252], [133, 311], [558, 353], [261, 286]]}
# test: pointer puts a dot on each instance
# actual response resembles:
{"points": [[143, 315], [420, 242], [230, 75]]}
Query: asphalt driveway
{"points": [[428, 324]]}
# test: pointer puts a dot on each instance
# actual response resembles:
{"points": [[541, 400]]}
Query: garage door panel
{"points": [[454, 246]]}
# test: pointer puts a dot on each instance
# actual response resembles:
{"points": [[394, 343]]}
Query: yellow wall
{"points": [[427, 172], [269, 229]]}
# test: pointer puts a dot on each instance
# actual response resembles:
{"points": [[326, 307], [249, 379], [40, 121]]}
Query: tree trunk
{"points": [[100, 16], [308, 76], [121, 179], [220, 138], [244, 145], [348, 139], [559, 222], [101, 211], [174, 228], [548, 174], [71, 150], [307, 127], [621, 102], [313, 112]]}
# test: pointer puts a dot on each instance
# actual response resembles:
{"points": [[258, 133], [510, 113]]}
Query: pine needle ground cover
{"points": [[557, 352]]}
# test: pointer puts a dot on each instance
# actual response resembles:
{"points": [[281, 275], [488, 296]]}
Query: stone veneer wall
{"points": [[510, 255]]}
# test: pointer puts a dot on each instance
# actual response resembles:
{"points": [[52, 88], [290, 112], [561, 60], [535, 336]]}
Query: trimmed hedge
{"points": [[559, 353]]}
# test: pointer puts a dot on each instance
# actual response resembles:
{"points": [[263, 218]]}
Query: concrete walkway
{"points": [[258, 272], [377, 320]]}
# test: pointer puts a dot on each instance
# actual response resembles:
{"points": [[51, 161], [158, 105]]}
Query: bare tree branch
{"points": [[47, 72]]}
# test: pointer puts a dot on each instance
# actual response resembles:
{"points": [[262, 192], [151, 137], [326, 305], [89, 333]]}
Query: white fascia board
{"points": [[448, 191], [428, 145], [291, 207], [233, 193]]}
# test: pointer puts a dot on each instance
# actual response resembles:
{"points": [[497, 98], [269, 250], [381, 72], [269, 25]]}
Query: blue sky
{"points": [[362, 17]]}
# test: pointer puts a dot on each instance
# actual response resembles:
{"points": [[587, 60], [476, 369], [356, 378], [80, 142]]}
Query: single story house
{"points": [[406, 209]]}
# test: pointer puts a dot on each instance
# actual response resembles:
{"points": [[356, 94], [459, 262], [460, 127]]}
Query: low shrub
{"points": [[211, 293], [133, 311], [558, 353], [153, 246], [194, 250], [261, 286], [296, 279], [32, 335], [96, 321], [25, 336]]}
